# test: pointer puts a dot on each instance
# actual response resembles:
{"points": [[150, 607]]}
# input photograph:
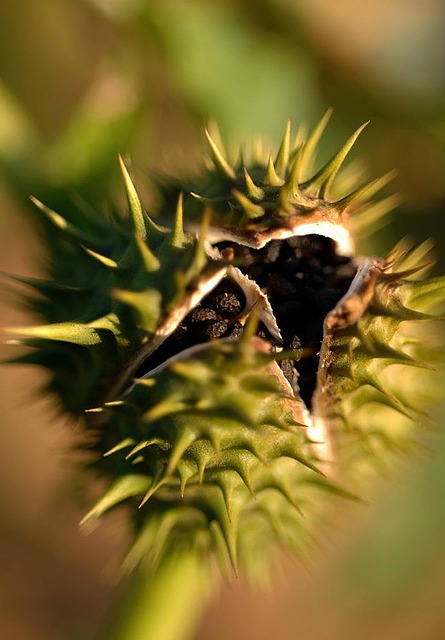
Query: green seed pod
{"points": [[233, 368]]}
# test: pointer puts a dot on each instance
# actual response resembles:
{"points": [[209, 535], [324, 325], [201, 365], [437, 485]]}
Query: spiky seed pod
{"points": [[233, 365]]}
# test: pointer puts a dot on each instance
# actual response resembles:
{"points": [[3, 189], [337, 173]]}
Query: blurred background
{"points": [[84, 80]]}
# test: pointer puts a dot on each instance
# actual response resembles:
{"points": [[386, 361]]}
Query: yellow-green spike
{"points": [[367, 190], [293, 180], [214, 130], [134, 204], [127, 442], [227, 482], [254, 192], [202, 461], [229, 531], [124, 487], [202, 199], [114, 403], [311, 143], [271, 179], [146, 303], [73, 332], [186, 438], [185, 472], [326, 175], [144, 444], [168, 406], [249, 208], [284, 205], [157, 481], [218, 158], [60, 222], [151, 262], [282, 159], [107, 262], [177, 234]]}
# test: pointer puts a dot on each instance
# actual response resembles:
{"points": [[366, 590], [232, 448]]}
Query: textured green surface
{"points": [[211, 451]]}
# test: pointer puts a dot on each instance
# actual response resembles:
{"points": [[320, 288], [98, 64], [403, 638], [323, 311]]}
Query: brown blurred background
{"points": [[84, 80]]}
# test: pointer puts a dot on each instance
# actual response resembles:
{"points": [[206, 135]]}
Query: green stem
{"points": [[167, 604]]}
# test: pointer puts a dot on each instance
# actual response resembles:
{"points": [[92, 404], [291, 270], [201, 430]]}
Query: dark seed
{"points": [[217, 329], [201, 314], [235, 330], [230, 304], [295, 343]]}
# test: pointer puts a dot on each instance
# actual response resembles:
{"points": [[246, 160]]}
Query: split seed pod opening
{"points": [[232, 365]]}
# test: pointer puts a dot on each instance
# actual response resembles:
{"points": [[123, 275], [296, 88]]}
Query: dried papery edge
{"points": [[346, 312], [296, 405], [168, 326], [256, 302], [258, 239], [356, 300]]}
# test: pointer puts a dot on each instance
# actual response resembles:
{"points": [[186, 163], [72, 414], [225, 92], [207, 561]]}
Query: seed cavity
{"points": [[302, 277]]}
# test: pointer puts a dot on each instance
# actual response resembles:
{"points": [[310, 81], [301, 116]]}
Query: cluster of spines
{"points": [[215, 438], [130, 280], [204, 468], [240, 197], [356, 359]]}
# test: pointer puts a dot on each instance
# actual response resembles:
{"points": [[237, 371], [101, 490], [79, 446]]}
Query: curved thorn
{"points": [[177, 234], [218, 158], [326, 175], [282, 159], [271, 178], [250, 209], [108, 262], [158, 481], [293, 179], [61, 223], [311, 144], [283, 203], [184, 441], [202, 199], [151, 262], [367, 190], [252, 190], [134, 204]]}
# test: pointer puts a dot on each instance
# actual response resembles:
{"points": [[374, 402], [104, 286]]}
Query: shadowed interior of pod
{"points": [[303, 278]]}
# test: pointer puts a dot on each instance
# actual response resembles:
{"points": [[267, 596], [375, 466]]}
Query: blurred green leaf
{"points": [[226, 69]]}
